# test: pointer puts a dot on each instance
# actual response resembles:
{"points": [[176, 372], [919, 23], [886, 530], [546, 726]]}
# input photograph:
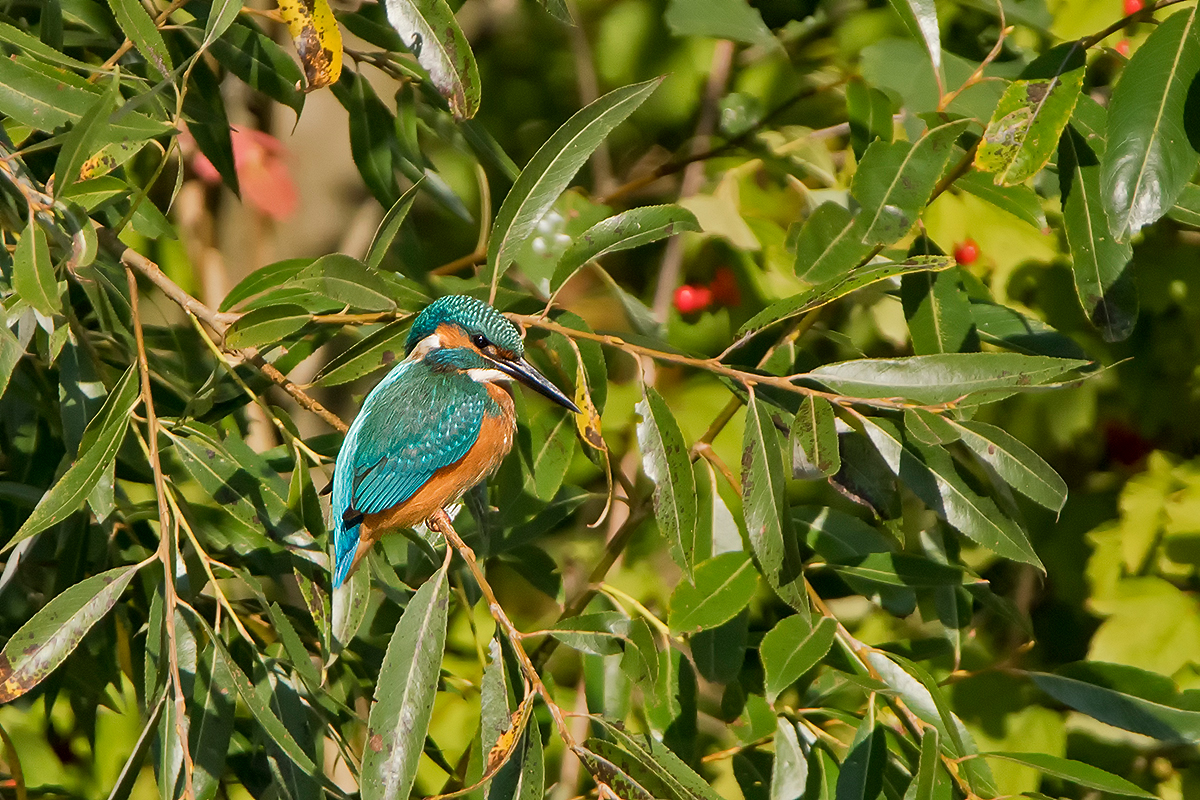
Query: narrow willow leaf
{"points": [[349, 609], [33, 275], [269, 325], [229, 676], [317, 38], [830, 244], [899, 569], [1020, 200], [264, 279], [1027, 123], [1015, 462], [929, 428], [380, 348], [141, 30], [428, 28], [681, 781], [938, 313], [814, 440], [920, 17], [10, 353], [211, 713], [1075, 772], [616, 778], [792, 648], [929, 472], [42, 643], [665, 461], [1150, 155], [894, 181], [764, 504], [221, 15], [84, 138], [623, 231], [345, 279], [599, 634], [1012, 330], [789, 770], [1101, 265], [374, 144], [723, 586], [861, 776], [925, 781], [260, 63], [553, 166], [294, 648], [390, 226], [726, 19], [97, 449], [407, 684], [827, 292], [1124, 697], [944, 378], [1187, 206]]}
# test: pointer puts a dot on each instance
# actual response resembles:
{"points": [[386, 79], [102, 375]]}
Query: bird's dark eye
{"points": [[480, 341]]}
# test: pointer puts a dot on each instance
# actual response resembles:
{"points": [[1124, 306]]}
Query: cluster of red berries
{"points": [[722, 290]]}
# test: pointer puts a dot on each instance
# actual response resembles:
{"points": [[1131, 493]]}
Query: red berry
{"points": [[1123, 47], [725, 288], [1133, 6], [692, 299], [966, 252]]}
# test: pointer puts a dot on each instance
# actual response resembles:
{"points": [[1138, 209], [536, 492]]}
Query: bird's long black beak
{"points": [[527, 374]]}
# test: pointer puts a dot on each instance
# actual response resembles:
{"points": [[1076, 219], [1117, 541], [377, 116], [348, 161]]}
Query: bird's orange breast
{"points": [[449, 483]]}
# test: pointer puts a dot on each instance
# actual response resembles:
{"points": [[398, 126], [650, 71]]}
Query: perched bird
{"points": [[438, 424]]}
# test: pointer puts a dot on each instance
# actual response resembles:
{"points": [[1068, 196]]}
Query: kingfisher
{"points": [[436, 425]]}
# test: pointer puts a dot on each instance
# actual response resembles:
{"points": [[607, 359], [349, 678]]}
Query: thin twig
{"points": [[1145, 13], [168, 536]]}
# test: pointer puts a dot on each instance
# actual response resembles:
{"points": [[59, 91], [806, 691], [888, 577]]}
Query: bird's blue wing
{"points": [[411, 425]]}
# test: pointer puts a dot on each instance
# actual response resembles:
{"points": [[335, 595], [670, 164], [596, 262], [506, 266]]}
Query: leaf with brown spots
{"points": [[430, 31], [55, 631], [318, 40]]}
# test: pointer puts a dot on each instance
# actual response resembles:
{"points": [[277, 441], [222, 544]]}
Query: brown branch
{"points": [[1143, 14], [167, 543]]}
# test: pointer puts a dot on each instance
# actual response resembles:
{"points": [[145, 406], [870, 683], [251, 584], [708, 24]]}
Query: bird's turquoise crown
{"points": [[473, 316]]}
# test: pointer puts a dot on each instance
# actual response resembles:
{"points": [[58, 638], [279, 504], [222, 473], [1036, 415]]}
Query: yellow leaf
{"points": [[318, 40]]}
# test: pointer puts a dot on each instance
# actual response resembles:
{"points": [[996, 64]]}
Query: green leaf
{"points": [[895, 180], [349, 609], [1101, 264], [428, 29], [920, 18], [623, 231], [899, 569], [839, 286], [665, 461], [1009, 328], [1015, 462], [553, 432], [721, 19], [383, 347], [208, 123], [789, 770], [1187, 206], [1124, 697], [814, 440], [719, 653], [724, 585], [938, 313], [830, 244], [792, 648], [85, 138], [925, 781], [42, 643], [616, 778], [221, 14], [404, 694], [211, 725], [46, 99], [10, 353], [930, 428], [861, 776], [764, 504], [97, 449], [1151, 154], [929, 472], [385, 234], [294, 648], [1027, 123], [137, 25], [229, 676], [1020, 201], [1076, 772], [944, 378], [373, 142], [33, 275], [870, 113], [680, 780], [554, 165], [268, 325], [345, 280], [599, 634], [264, 278], [259, 62]]}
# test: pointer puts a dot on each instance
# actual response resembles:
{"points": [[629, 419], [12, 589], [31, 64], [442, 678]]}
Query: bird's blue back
{"points": [[415, 422]]}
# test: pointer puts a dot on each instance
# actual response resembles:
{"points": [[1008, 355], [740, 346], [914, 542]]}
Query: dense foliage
{"points": [[882, 317]]}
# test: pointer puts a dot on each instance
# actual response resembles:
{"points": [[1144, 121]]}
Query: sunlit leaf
{"points": [[42, 643], [554, 165], [141, 30], [665, 461], [789, 770], [1015, 462], [623, 231], [792, 648], [920, 18], [430, 31], [1151, 154], [33, 273], [266, 326], [1075, 772], [404, 694], [938, 313], [317, 38], [814, 440], [723, 586]]}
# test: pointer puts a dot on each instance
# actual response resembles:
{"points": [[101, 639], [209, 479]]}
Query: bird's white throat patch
{"points": [[429, 343], [488, 375]]}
